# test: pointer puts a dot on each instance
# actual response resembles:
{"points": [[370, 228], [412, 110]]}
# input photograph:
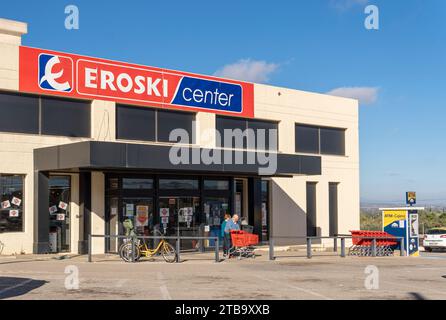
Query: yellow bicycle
{"points": [[142, 250]]}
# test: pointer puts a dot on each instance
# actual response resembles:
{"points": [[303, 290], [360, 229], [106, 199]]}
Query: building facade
{"points": [[86, 143]]}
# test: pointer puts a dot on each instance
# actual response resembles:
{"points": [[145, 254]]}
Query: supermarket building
{"points": [[86, 143]]}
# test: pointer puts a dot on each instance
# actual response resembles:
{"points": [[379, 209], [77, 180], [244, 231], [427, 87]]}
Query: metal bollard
{"points": [[342, 247], [133, 249], [217, 250], [271, 249], [89, 248], [374, 247], [335, 244], [178, 249], [309, 253], [402, 250]]}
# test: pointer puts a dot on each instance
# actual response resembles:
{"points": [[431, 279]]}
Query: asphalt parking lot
{"points": [[292, 277]]}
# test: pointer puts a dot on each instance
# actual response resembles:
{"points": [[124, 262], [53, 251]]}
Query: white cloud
{"points": [[343, 5], [365, 95], [248, 70]]}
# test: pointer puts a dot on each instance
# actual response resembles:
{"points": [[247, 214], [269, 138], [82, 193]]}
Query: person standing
{"points": [[222, 233], [231, 224]]}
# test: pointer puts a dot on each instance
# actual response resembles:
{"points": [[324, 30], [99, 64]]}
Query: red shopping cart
{"points": [[362, 243], [243, 244]]}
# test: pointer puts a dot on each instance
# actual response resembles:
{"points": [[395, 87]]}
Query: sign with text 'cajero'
{"points": [[54, 73]]}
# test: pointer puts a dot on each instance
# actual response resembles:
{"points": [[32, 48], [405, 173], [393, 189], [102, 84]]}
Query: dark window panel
{"points": [[63, 117], [256, 125], [332, 141], [135, 123], [19, 113], [12, 203], [225, 123], [178, 184], [216, 184], [311, 210], [137, 183], [333, 208], [307, 139], [171, 120]]}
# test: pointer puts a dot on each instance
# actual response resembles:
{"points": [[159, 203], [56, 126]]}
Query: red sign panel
{"points": [[54, 73]]}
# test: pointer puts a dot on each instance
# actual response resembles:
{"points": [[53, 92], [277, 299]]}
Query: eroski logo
{"points": [[55, 73]]}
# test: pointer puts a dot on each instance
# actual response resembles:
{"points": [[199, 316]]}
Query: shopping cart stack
{"points": [[243, 244], [363, 240]]}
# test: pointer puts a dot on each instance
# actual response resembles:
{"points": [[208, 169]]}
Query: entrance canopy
{"points": [[97, 155]]}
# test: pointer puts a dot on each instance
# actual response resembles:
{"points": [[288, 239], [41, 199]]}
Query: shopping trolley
{"points": [[362, 243], [243, 244]]}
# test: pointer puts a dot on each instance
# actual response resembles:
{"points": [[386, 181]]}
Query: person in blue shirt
{"points": [[231, 224], [222, 232]]}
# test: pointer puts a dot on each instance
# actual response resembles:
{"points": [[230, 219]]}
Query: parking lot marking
{"points": [[165, 293], [163, 288], [296, 288], [20, 284]]}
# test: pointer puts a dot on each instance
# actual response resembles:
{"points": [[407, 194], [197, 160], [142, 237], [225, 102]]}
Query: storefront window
{"points": [[11, 213], [216, 184], [59, 211], [178, 184], [140, 211], [214, 213], [129, 183]]}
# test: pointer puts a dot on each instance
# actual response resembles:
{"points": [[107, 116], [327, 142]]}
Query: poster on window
{"points": [[16, 201], [129, 210], [60, 217], [13, 213], [53, 209], [142, 216], [63, 205], [6, 204], [164, 212], [164, 220]]}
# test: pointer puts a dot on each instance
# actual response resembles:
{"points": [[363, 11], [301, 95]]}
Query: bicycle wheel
{"points": [[125, 252], [168, 252]]}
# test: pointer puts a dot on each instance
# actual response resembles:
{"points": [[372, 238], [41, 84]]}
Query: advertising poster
{"points": [[6, 204], [414, 234], [53, 210], [142, 216], [13, 213], [164, 212], [395, 223], [129, 210], [16, 201]]}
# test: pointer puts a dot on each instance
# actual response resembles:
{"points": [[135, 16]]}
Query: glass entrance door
{"points": [[59, 212], [180, 216]]}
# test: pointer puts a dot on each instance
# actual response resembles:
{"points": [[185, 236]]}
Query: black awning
{"points": [[98, 155]]}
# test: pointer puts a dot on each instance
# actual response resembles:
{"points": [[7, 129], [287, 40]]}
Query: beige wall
{"points": [[289, 194], [272, 103]]}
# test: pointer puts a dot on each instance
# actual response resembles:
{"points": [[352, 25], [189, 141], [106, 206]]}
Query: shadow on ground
{"points": [[13, 287]]}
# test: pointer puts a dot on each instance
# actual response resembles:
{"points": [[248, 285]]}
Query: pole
{"points": [[309, 254], [178, 249], [374, 247], [402, 250], [342, 247], [271, 249], [217, 249], [335, 244], [89, 248], [133, 249]]}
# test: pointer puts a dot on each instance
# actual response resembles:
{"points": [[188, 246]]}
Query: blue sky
{"points": [[315, 45]]}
